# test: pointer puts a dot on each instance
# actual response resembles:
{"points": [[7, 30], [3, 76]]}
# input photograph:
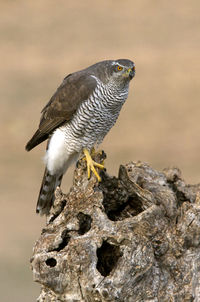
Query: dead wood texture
{"points": [[135, 237]]}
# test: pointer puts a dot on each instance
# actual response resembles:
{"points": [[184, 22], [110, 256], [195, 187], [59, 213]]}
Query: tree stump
{"points": [[135, 237]]}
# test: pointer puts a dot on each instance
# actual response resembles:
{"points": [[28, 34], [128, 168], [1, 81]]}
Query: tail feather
{"points": [[46, 195]]}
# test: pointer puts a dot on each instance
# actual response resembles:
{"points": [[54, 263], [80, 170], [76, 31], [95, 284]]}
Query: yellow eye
{"points": [[119, 68]]}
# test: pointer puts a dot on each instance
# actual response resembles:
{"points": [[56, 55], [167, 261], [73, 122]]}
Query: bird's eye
{"points": [[119, 68]]}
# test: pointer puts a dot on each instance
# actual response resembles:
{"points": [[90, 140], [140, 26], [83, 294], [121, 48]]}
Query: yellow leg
{"points": [[91, 164]]}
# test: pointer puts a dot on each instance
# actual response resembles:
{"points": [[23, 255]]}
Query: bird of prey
{"points": [[76, 119]]}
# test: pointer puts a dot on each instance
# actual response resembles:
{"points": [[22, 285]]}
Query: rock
{"points": [[135, 237]]}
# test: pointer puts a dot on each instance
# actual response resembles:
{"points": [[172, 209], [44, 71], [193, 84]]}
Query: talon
{"points": [[91, 164], [94, 152]]}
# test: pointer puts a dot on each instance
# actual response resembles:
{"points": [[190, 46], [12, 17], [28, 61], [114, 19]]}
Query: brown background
{"points": [[43, 41]]}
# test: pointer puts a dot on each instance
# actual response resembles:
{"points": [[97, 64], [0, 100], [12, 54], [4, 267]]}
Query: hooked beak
{"points": [[131, 72]]}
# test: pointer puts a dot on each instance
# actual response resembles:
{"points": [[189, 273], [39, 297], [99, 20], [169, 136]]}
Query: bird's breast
{"points": [[95, 117]]}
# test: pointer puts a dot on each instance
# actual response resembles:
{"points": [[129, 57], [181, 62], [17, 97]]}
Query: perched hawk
{"points": [[77, 117]]}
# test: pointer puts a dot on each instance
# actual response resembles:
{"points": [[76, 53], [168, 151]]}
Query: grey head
{"points": [[119, 71]]}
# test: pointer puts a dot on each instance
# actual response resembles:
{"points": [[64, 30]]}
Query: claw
{"points": [[91, 164], [93, 153]]}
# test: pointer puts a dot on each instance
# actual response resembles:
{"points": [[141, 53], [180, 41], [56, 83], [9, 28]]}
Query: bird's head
{"points": [[116, 72], [119, 71], [123, 69]]}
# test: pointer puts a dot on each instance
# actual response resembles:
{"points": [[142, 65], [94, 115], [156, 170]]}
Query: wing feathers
{"points": [[37, 138], [75, 89]]}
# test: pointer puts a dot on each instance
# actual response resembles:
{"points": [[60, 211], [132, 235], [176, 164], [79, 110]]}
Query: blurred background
{"points": [[41, 42]]}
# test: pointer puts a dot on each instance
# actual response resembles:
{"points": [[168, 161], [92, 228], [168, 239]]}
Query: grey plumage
{"points": [[77, 117]]}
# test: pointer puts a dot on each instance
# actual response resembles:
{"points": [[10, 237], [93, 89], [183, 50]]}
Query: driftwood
{"points": [[135, 237]]}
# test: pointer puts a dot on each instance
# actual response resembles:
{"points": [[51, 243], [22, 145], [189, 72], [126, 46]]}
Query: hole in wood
{"points": [[131, 207], [84, 223], [108, 256], [118, 203], [65, 240], [51, 262]]}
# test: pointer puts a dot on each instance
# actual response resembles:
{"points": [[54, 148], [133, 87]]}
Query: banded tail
{"points": [[46, 195]]}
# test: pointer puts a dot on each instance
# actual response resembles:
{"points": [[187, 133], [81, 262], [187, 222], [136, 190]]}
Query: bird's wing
{"points": [[75, 89]]}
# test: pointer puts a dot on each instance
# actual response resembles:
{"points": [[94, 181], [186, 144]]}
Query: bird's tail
{"points": [[46, 195]]}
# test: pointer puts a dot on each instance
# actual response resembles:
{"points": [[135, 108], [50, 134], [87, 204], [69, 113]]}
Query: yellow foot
{"points": [[91, 164], [93, 153]]}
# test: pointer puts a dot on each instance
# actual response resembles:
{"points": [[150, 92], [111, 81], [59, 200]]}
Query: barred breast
{"points": [[95, 117], [92, 121]]}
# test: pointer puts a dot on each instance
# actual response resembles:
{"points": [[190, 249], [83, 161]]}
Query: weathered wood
{"points": [[135, 237]]}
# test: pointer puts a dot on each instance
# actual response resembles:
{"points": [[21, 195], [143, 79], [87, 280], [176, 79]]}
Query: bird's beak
{"points": [[131, 72]]}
